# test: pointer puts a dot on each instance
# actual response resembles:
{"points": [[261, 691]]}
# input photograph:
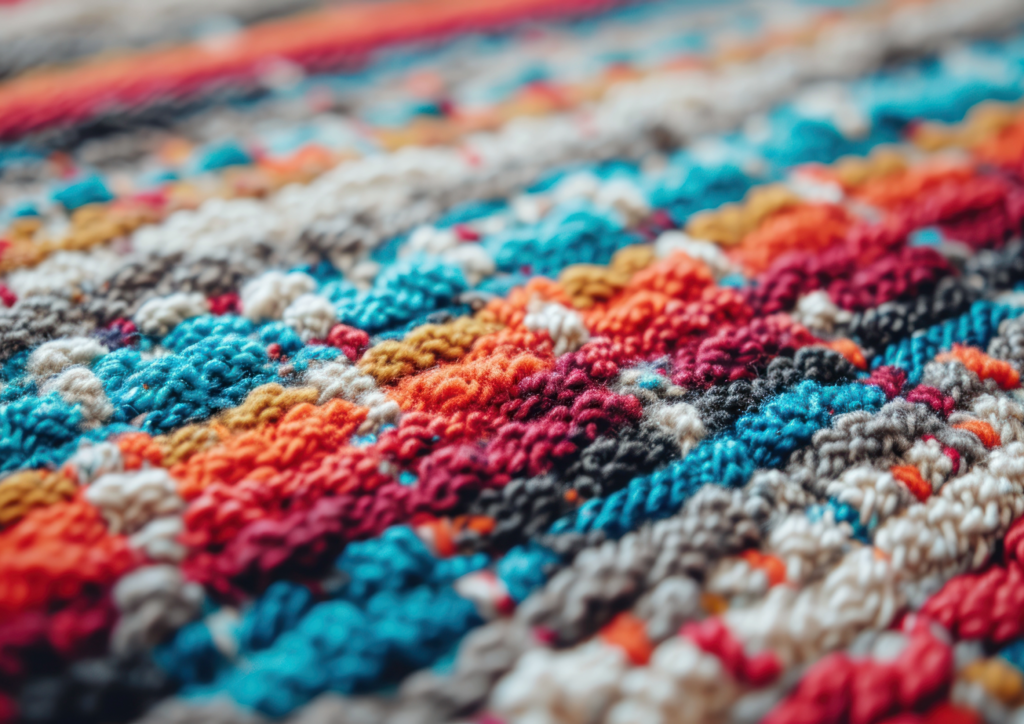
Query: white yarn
{"points": [[62, 270], [159, 539], [569, 687], [161, 315], [711, 254], [311, 316], [735, 578], [564, 325], [268, 295], [154, 601], [958, 528], [340, 379], [807, 547], [819, 313], [128, 501], [429, 240], [531, 208], [671, 602], [51, 358], [800, 625], [933, 464], [476, 263], [625, 197], [681, 422], [871, 492], [1001, 412], [580, 185], [91, 460], [681, 685], [79, 385]]}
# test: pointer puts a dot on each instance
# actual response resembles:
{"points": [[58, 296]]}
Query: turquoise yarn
{"points": [[196, 329], [91, 190], [33, 429], [403, 292], [395, 611], [205, 378], [574, 234], [975, 328], [281, 334]]}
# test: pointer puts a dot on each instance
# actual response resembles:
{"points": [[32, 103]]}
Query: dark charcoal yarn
{"points": [[719, 407], [987, 272], [526, 507], [875, 329], [94, 691]]}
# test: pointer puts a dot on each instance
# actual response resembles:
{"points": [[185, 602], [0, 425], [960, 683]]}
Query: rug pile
{"points": [[563, 362]]}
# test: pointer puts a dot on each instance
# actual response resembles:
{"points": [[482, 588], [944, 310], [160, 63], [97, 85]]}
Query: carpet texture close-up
{"points": [[511, 361]]}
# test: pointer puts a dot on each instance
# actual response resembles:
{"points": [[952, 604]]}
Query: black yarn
{"points": [[984, 273], [94, 691], [877, 328], [719, 407], [609, 464]]}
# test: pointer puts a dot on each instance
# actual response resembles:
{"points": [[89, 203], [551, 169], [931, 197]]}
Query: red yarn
{"points": [[841, 690], [940, 403], [910, 272], [301, 545], [222, 511], [714, 637], [889, 379], [353, 342], [7, 296], [986, 604], [229, 303], [738, 353]]}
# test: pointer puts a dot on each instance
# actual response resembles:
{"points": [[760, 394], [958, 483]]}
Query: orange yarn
{"points": [[773, 567], [477, 384], [850, 350], [629, 633], [901, 188], [807, 228], [138, 448], [985, 432], [55, 553], [910, 476], [304, 435], [511, 340], [982, 365]]}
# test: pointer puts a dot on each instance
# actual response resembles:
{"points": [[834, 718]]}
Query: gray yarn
{"points": [[669, 605], [218, 711], [878, 439], [1009, 345], [40, 319], [602, 581], [485, 655], [331, 708], [954, 380]]}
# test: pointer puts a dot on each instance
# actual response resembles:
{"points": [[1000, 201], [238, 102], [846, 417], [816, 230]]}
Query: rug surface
{"points": [[509, 361]]}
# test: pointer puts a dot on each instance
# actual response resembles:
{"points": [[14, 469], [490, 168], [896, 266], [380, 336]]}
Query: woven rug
{"points": [[512, 362]]}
